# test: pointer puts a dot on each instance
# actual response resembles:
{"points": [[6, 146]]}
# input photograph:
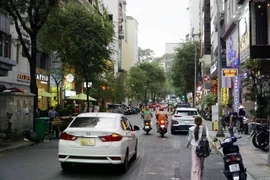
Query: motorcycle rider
{"points": [[147, 114], [161, 115]]}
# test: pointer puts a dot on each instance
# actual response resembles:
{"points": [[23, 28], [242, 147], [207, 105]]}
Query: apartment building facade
{"points": [[130, 47], [6, 59], [117, 12], [194, 19]]}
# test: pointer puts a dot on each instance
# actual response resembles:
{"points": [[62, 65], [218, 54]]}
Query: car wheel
{"points": [[124, 166], [66, 166]]}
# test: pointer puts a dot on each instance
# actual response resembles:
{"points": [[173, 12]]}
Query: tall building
{"points": [[130, 45], [205, 44], [117, 12], [194, 18], [7, 61]]}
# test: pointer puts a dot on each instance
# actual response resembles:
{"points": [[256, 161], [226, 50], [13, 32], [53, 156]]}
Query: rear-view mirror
{"points": [[136, 128]]}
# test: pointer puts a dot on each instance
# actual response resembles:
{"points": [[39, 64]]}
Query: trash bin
{"points": [[41, 126]]}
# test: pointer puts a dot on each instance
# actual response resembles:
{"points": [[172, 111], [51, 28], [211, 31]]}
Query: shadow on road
{"points": [[95, 171]]}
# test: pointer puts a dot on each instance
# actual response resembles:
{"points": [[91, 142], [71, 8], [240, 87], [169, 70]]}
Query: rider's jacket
{"points": [[161, 115]]}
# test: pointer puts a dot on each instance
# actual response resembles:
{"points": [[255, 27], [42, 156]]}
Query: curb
{"points": [[17, 146]]}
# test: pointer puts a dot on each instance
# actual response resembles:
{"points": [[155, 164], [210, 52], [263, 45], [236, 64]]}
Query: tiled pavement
{"points": [[255, 160]]}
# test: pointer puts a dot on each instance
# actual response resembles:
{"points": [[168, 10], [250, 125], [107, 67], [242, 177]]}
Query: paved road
{"points": [[158, 158]]}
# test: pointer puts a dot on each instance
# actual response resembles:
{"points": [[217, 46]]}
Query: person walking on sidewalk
{"points": [[232, 123], [195, 134], [52, 115]]}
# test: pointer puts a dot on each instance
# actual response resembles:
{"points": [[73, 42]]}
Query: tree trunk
{"points": [[33, 82]]}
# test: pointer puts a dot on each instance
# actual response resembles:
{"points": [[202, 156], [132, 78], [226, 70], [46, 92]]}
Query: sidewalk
{"points": [[13, 145], [255, 160]]}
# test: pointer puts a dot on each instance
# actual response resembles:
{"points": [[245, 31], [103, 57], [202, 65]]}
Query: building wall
{"points": [[170, 47], [117, 9], [194, 17], [130, 46], [20, 75]]}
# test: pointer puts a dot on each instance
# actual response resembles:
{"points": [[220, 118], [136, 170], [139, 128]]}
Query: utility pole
{"points": [[220, 132], [195, 77]]}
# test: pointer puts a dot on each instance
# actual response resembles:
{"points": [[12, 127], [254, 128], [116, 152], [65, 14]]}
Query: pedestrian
{"points": [[241, 114], [232, 123], [52, 115], [195, 134]]}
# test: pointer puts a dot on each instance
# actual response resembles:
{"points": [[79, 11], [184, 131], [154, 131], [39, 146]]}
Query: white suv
{"points": [[183, 119]]}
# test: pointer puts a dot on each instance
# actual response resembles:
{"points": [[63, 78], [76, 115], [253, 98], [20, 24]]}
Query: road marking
{"points": [[151, 173]]}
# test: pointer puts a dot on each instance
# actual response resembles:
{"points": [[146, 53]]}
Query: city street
{"points": [[158, 158]]}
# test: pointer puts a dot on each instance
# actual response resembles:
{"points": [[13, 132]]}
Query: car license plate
{"points": [[162, 126], [234, 167], [147, 127], [88, 141]]}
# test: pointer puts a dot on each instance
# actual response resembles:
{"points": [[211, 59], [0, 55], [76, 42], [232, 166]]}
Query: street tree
{"points": [[82, 37], [57, 74], [135, 82], [29, 16], [145, 55], [183, 67], [155, 77]]}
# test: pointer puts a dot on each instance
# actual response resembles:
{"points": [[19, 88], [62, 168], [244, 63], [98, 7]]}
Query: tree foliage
{"points": [[147, 76], [81, 36], [183, 67], [29, 16], [145, 55]]}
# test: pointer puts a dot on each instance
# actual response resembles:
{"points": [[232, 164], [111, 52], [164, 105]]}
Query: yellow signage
{"points": [[229, 72]]}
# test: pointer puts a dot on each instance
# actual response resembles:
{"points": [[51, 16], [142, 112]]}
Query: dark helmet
{"points": [[161, 108]]}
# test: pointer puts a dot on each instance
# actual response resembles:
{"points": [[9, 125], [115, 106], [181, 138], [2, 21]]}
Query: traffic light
{"points": [[183, 97]]}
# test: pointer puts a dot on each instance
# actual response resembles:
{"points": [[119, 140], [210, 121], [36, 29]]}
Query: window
{"points": [[5, 45], [186, 113], [94, 122], [125, 124]]}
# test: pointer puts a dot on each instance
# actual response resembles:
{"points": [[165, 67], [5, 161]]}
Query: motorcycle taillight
{"points": [[233, 159]]}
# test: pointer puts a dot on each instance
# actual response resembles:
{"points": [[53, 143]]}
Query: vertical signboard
{"points": [[244, 33]]}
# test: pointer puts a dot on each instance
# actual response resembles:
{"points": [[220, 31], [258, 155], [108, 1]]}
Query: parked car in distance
{"points": [[178, 105], [116, 108], [98, 138], [183, 119]]}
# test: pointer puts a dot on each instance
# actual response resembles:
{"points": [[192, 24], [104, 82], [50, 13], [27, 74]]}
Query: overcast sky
{"points": [[160, 22]]}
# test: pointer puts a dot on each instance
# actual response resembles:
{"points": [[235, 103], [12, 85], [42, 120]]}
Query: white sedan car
{"points": [[98, 138], [183, 119]]}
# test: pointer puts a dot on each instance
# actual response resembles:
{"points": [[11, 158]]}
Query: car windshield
{"points": [[94, 122], [186, 113]]}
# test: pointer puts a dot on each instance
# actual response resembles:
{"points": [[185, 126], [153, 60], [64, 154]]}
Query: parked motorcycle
{"points": [[162, 127], [147, 126], [245, 128], [260, 136], [233, 164]]}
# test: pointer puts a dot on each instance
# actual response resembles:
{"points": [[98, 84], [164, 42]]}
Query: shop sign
{"points": [[23, 78], [226, 82], [42, 77], [229, 72], [236, 93], [244, 44], [232, 52]]}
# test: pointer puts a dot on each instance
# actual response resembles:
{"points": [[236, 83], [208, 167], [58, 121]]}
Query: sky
{"points": [[160, 22]]}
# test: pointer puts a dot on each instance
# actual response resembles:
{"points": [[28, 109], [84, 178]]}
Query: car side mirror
{"points": [[215, 139], [136, 128]]}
